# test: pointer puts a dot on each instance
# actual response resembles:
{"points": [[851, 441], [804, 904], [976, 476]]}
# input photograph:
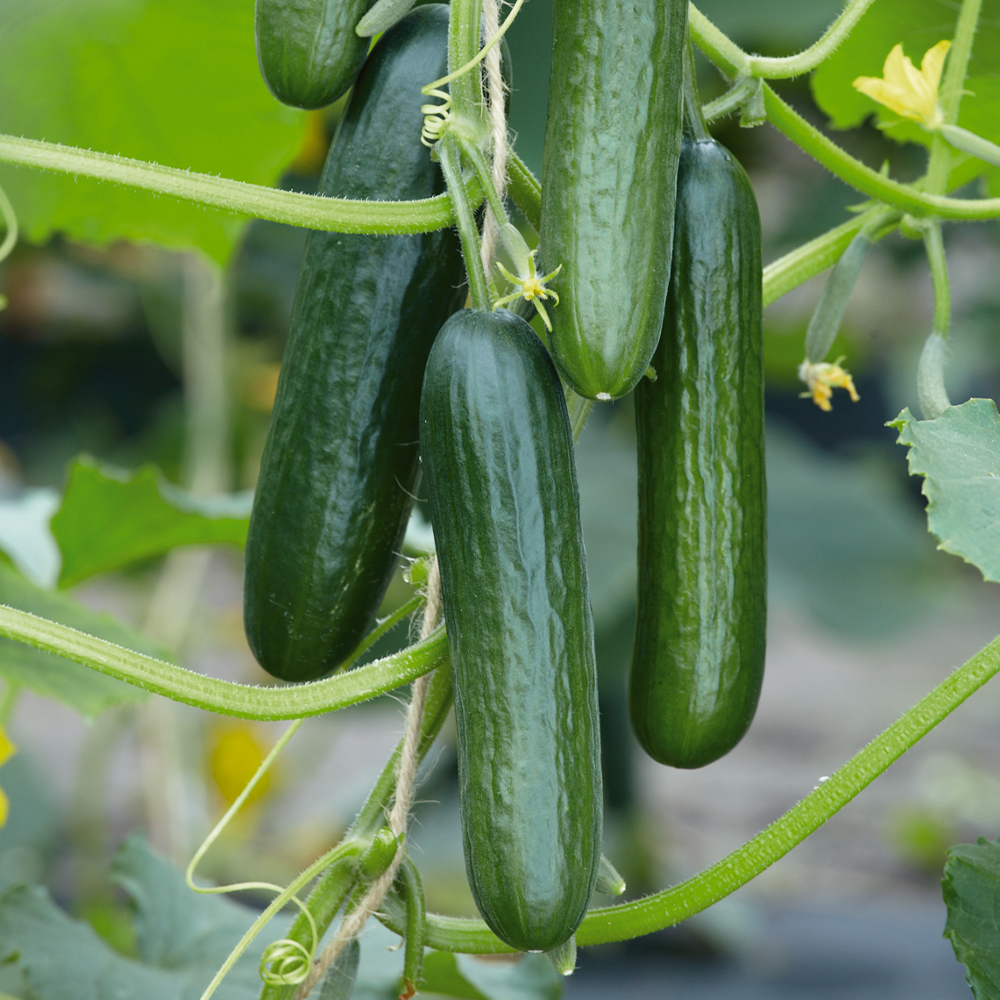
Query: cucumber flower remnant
{"points": [[910, 92], [822, 378]]}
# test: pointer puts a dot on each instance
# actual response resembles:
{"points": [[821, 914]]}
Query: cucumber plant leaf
{"points": [[170, 81], [971, 890], [52, 676], [958, 454], [918, 25], [25, 536], [111, 519], [182, 939]]}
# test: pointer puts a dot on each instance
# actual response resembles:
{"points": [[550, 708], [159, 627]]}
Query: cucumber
{"points": [[612, 139], [340, 465], [307, 50], [698, 658], [501, 482]]}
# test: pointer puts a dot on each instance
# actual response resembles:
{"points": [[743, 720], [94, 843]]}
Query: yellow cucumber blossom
{"points": [[910, 92], [822, 378]]}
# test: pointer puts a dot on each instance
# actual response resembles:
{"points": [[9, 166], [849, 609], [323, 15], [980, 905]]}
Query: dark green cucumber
{"points": [[612, 138], [698, 660], [340, 466], [501, 480], [307, 50]]}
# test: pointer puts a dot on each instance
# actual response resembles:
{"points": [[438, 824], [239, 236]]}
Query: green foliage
{"points": [[170, 81], [971, 891], [181, 939], [25, 536], [959, 456], [111, 519], [52, 676], [918, 25]]}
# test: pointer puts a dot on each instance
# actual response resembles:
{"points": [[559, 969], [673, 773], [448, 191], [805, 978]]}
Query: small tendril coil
{"points": [[436, 117], [285, 963]]}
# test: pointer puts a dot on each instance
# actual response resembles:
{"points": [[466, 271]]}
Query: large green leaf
{"points": [[52, 676], [172, 81], [971, 891], [182, 938], [917, 24], [111, 519], [25, 535], [959, 456]]}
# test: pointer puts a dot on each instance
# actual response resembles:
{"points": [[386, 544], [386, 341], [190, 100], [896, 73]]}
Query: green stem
{"points": [[338, 215], [934, 245], [872, 183], [643, 916], [694, 121], [730, 100], [226, 697], [524, 188], [951, 92], [449, 153], [478, 160], [824, 251], [464, 29], [335, 885], [733, 60]]}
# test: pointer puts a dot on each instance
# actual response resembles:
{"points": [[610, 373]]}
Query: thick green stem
{"points": [[733, 60], [951, 91], [338, 215], [464, 29], [524, 188], [449, 152], [226, 697], [643, 916], [902, 196], [934, 245]]}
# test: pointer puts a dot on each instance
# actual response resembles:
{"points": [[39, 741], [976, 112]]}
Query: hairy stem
{"points": [[643, 916], [227, 697], [339, 215]]}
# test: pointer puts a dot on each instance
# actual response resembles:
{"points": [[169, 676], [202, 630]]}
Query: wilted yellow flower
{"points": [[910, 92], [7, 750], [823, 378]]}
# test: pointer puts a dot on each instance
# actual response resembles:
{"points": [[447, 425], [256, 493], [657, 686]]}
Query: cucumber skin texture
{"points": [[698, 660], [612, 140], [341, 460], [307, 50], [501, 478]]}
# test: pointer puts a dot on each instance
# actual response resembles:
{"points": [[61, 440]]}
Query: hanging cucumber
{"points": [[501, 481], [612, 138], [698, 659], [340, 466], [307, 50]]}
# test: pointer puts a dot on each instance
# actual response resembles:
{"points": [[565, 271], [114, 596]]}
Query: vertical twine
{"points": [[496, 91], [405, 776]]}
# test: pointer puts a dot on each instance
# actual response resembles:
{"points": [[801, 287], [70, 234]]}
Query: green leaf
{"points": [[528, 977], [52, 676], [111, 519], [971, 890], [183, 938], [918, 25], [170, 81], [959, 456]]}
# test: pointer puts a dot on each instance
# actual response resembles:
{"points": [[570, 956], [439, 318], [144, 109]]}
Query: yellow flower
{"points": [[823, 378], [7, 750], [234, 757], [909, 92]]}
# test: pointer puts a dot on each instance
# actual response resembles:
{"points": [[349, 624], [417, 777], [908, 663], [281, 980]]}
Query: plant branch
{"points": [[338, 215], [525, 189], [730, 57], [227, 697], [628, 920]]}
